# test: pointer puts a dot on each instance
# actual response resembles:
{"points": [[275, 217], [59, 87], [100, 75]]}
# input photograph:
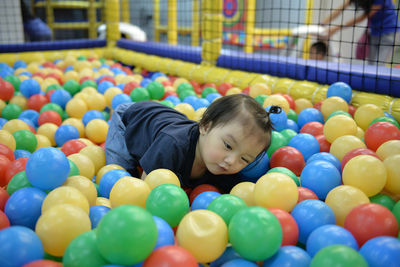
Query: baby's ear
{"points": [[204, 128]]}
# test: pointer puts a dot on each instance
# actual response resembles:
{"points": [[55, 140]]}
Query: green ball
{"points": [[277, 141], [14, 80], [17, 182], [287, 172], [11, 111], [53, 106], [25, 140], [396, 211], [292, 115], [288, 134], [73, 169], [186, 93], [226, 206], [255, 233], [88, 83], [72, 87], [102, 60], [169, 202], [167, 103], [106, 115], [260, 99], [82, 251], [183, 87], [338, 255], [156, 90], [387, 119], [139, 94], [126, 235], [208, 90], [383, 200], [53, 87], [81, 58], [339, 112], [64, 116]]}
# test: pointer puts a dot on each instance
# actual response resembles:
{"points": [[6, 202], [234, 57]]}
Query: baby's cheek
{"points": [[215, 154]]}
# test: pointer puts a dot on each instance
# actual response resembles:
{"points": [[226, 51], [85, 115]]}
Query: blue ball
{"points": [[29, 87], [109, 179], [47, 168], [203, 200], [212, 96], [103, 86], [320, 177], [239, 263], [2, 122], [165, 235], [24, 207], [145, 82], [306, 143], [19, 246], [289, 256], [228, 255], [30, 114], [60, 97], [68, 68], [28, 121], [292, 125], [19, 64], [21, 153], [279, 120], [120, 86], [308, 115], [91, 115], [65, 133], [201, 103], [174, 99], [326, 157], [120, 99], [382, 251], [191, 100], [311, 214], [96, 213], [340, 89], [155, 75], [256, 169], [328, 235]]}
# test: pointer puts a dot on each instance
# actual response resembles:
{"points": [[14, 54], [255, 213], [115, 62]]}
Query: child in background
{"points": [[319, 51], [233, 132]]}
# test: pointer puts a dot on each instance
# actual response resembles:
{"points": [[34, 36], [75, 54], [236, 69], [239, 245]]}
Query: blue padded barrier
{"points": [[53, 45]]}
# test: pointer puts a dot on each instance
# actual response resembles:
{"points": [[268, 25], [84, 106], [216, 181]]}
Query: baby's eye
{"points": [[245, 160], [227, 145]]}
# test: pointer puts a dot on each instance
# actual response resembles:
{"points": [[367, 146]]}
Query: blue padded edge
{"points": [[53, 45], [180, 52]]}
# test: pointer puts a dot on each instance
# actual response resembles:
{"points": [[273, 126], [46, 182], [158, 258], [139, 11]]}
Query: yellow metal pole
{"points": [[195, 24], [249, 31], [125, 11], [211, 30], [112, 21], [172, 22], [308, 21], [50, 16], [92, 20], [156, 20]]}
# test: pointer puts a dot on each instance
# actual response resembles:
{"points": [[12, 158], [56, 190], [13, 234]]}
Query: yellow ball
{"points": [[42, 141], [245, 190], [199, 113], [85, 186], [259, 89], [110, 93], [6, 138], [129, 191], [48, 130], [71, 75], [276, 190], [388, 149], [84, 164], [277, 100], [14, 125], [161, 79], [76, 108], [161, 176], [86, 141], [105, 169], [302, 103], [338, 126], [233, 91], [58, 226], [365, 114], [178, 81], [204, 234], [102, 201], [78, 124], [20, 101], [81, 64], [38, 79], [88, 91], [392, 164], [96, 130], [366, 173], [65, 195], [96, 155], [186, 109], [2, 105], [342, 199], [33, 67], [360, 133], [332, 104], [344, 144]]}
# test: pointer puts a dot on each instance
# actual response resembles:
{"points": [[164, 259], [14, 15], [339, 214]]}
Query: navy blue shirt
{"points": [[158, 136]]}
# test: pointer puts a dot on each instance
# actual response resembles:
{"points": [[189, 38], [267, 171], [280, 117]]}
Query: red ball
{"points": [[49, 116], [72, 146], [352, 110], [370, 220], [318, 105], [314, 128], [290, 100], [379, 133], [86, 78], [171, 256], [144, 73], [15, 167], [6, 151], [43, 263], [4, 164], [324, 145], [3, 198], [39, 74], [208, 85], [224, 87], [128, 87], [6, 90], [49, 64], [55, 76], [4, 222], [288, 157], [305, 193], [356, 152], [196, 87], [290, 230], [169, 93], [127, 70], [246, 90], [36, 102], [166, 83], [107, 78], [200, 189], [116, 65]]}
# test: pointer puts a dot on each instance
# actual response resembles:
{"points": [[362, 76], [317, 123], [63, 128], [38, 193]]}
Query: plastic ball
{"points": [[96, 213], [277, 141], [119, 99], [165, 235], [287, 172], [288, 157], [202, 200], [338, 126], [161, 176], [66, 195], [169, 202], [139, 94], [289, 256], [3, 198], [325, 157], [228, 255], [11, 111], [65, 133], [366, 173], [356, 152], [7, 152], [72, 147], [156, 90], [105, 169], [393, 174], [60, 97], [84, 164], [365, 114], [76, 108], [259, 89], [4, 222], [7, 139], [96, 101], [226, 206], [20, 245], [134, 238], [13, 168], [84, 185], [306, 144], [96, 130], [7, 90], [362, 222], [279, 120], [381, 251], [387, 119], [344, 144], [240, 262], [305, 193], [384, 200], [339, 112], [332, 104], [388, 149], [169, 256], [379, 133], [290, 231], [186, 109], [314, 128], [340, 89], [25, 140], [129, 190], [245, 190], [14, 125], [301, 104], [96, 155], [277, 100], [29, 88], [108, 181], [309, 115], [338, 255], [311, 214]]}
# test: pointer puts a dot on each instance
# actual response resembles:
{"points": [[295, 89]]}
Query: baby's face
{"points": [[227, 149]]}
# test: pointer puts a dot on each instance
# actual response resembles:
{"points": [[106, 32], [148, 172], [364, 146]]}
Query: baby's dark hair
{"points": [[320, 47], [227, 108]]}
